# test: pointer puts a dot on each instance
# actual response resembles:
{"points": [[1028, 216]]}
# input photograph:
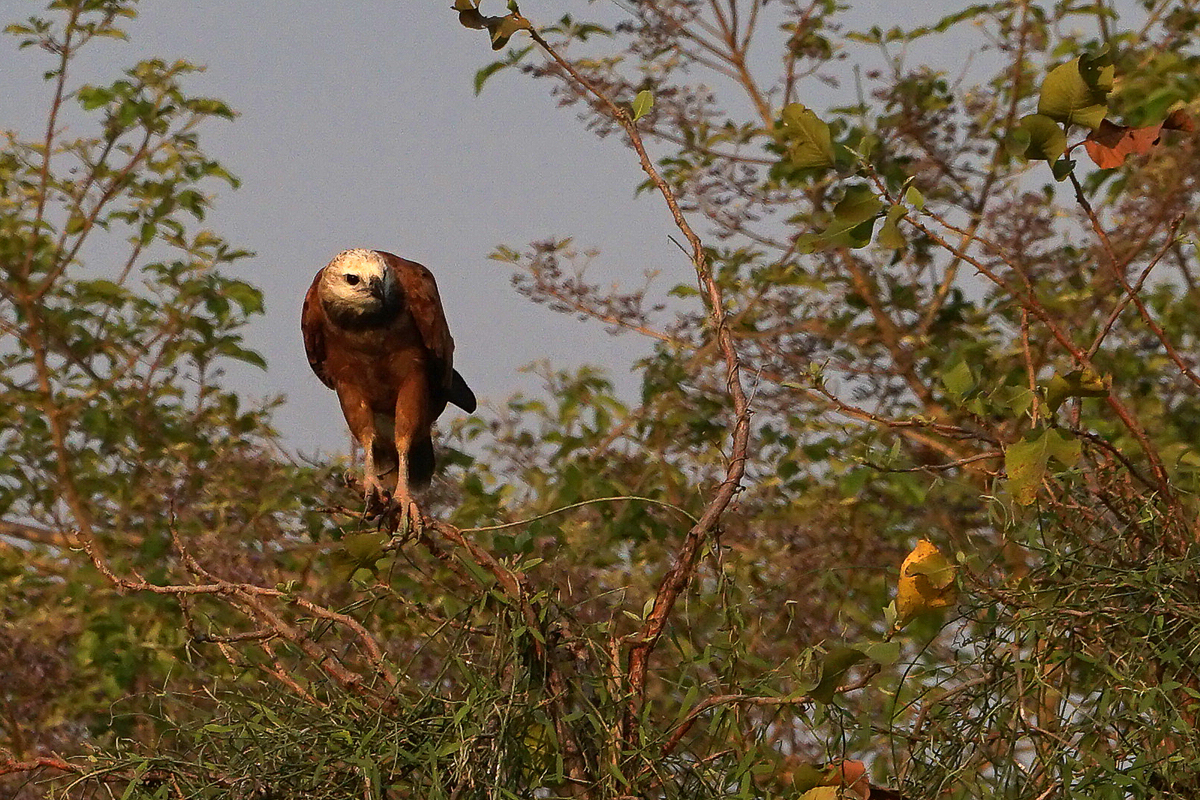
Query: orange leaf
{"points": [[1110, 144], [851, 776]]}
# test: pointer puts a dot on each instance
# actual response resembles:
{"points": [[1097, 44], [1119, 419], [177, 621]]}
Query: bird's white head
{"points": [[357, 283]]}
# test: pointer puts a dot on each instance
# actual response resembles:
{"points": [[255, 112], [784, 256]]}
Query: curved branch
{"points": [[680, 573]]}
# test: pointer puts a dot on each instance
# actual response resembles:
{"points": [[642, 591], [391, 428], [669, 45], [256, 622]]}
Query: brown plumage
{"points": [[375, 332]]}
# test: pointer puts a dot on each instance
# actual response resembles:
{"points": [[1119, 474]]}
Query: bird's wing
{"points": [[422, 301], [312, 325]]}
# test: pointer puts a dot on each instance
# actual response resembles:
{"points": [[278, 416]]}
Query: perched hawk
{"points": [[375, 332]]}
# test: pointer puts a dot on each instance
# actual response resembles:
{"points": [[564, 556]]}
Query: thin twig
{"points": [[1132, 295], [1028, 299], [580, 504]]}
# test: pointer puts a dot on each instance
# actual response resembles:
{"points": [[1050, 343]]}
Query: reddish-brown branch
{"points": [[60, 83], [681, 571], [1132, 293], [251, 600], [12, 767], [889, 332], [999, 156], [34, 534]]}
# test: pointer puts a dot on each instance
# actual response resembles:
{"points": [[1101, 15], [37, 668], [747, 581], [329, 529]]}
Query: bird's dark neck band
{"points": [[352, 319]]}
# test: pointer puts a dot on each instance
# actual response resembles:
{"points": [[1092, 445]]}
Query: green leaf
{"points": [[838, 661], [885, 653], [853, 221], [1062, 168], [1063, 448], [808, 243], [1026, 461], [807, 776], [1076, 93], [146, 233], [853, 236], [642, 104], [511, 59], [93, 97], [914, 198], [243, 354], [1097, 71], [364, 547], [1045, 140], [889, 232], [469, 16], [1077, 383], [809, 143], [1017, 142], [501, 29], [958, 380], [135, 782], [249, 298], [1015, 400], [75, 223], [483, 74], [890, 615], [859, 203], [1025, 464]]}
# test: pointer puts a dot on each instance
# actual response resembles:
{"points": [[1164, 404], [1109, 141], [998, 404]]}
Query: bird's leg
{"points": [[361, 419], [408, 520], [374, 494], [411, 403]]}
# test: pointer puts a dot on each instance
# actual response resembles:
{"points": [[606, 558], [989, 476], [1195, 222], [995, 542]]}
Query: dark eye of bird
{"points": [[352, 280]]}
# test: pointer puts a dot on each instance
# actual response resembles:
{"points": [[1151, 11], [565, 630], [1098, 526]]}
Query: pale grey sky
{"points": [[359, 128]]}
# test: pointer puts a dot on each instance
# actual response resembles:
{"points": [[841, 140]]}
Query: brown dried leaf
{"points": [[1178, 120]]}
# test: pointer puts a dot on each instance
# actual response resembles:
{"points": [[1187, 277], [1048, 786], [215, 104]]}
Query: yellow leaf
{"points": [[823, 793], [926, 583], [535, 738]]}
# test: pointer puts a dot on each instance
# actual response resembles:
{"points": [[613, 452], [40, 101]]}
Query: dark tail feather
{"points": [[420, 463], [461, 394]]}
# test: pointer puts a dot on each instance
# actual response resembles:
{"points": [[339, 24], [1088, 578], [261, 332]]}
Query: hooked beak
{"points": [[375, 287]]}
